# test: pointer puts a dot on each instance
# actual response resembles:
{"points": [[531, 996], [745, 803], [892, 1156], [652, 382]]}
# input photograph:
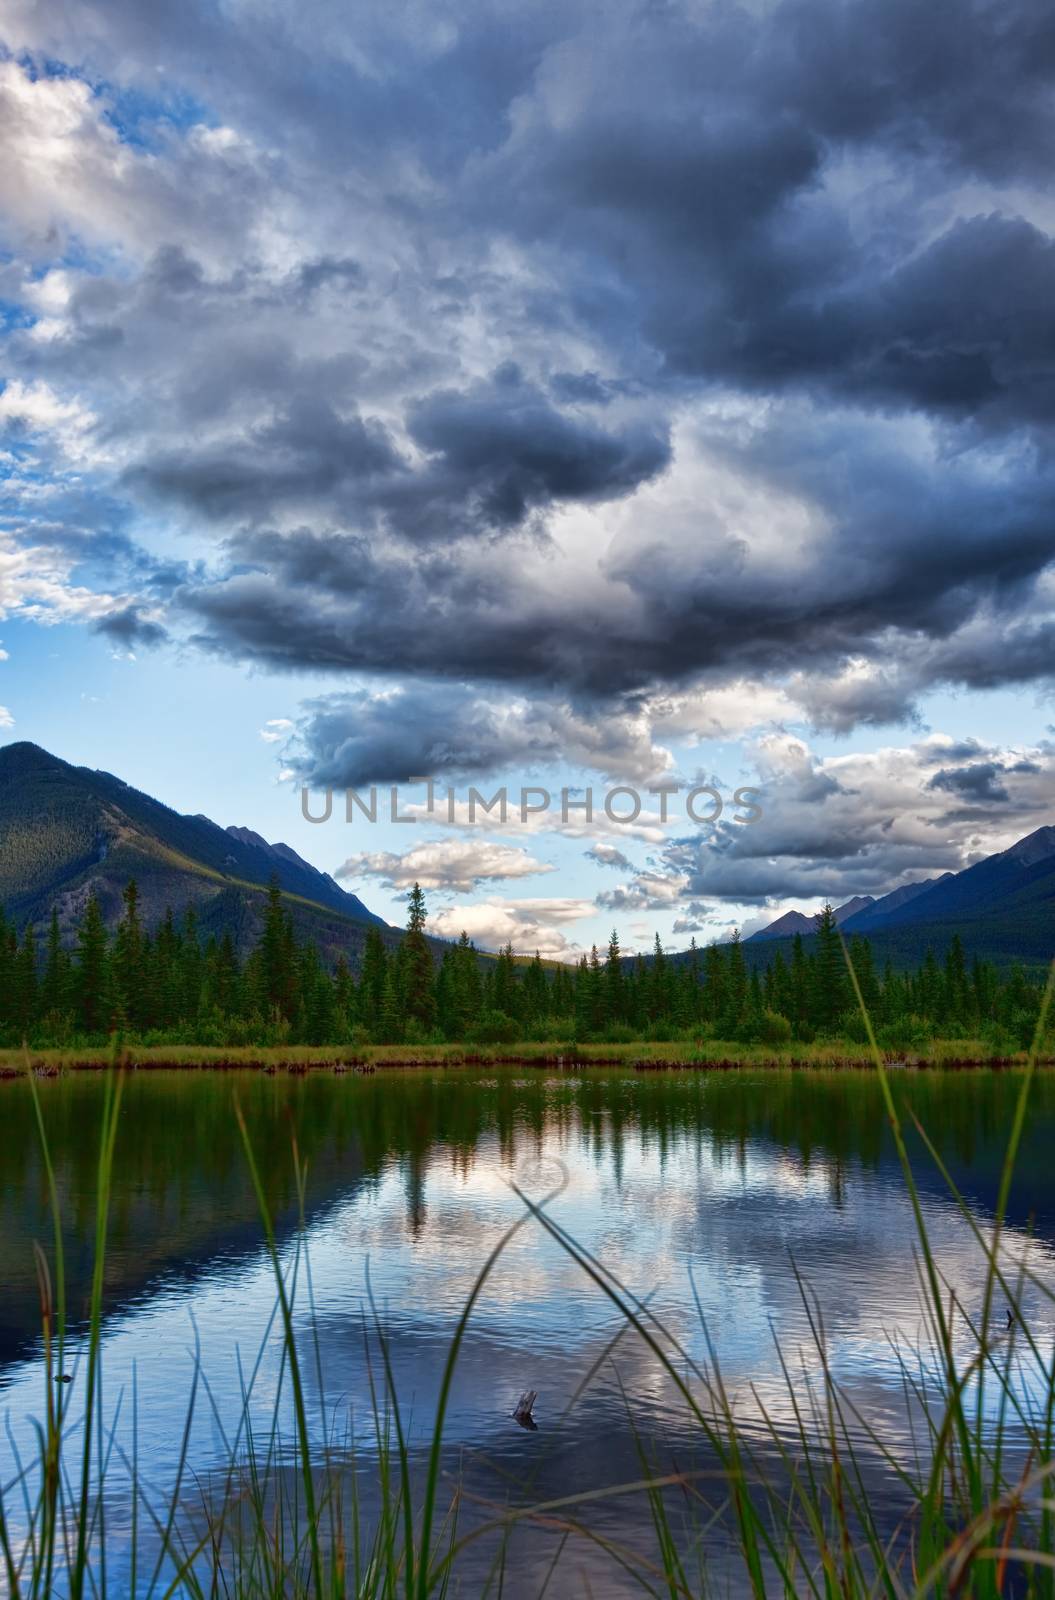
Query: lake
{"points": [[746, 1208]]}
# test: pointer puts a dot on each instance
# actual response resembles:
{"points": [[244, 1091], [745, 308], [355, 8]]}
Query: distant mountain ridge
{"points": [[793, 922], [66, 832], [1002, 907], [880, 911]]}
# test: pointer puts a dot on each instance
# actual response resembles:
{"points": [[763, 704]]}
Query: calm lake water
{"points": [[715, 1197]]}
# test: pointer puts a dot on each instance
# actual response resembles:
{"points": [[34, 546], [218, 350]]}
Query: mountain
{"points": [[785, 927], [1003, 909], [793, 922], [985, 885], [878, 912], [67, 831]]}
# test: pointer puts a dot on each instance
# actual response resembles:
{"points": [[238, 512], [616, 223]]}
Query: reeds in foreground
{"points": [[793, 1514]]}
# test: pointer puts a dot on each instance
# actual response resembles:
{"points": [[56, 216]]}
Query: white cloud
{"points": [[606, 855], [37, 408], [528, 925], [68, 174], [865, 822], [35, 583], [6, 719], [650, 889], [275, 729], [445, 864]]}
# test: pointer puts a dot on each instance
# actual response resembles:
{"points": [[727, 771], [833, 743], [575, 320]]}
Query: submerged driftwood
{"points": [[524, 1407]]}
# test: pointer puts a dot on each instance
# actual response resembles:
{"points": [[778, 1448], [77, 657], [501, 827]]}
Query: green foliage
{"points": [[494, 1027], [415, 967], [907, 1033], [774, 1029], [174, 985]]}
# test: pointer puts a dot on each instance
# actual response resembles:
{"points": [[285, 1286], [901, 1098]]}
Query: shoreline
{"points": [[642, 1056]]}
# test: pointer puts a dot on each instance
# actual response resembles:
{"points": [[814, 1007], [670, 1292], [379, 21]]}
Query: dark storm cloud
{"points": [[494, 454], [693, 166], [343, 271], [981, 781], [444, 730], [503, 450], [364, 736], [307, 454], [426, 286], [898, 73], [130, 627], [583, 388], [451, 730], [928, 565]]}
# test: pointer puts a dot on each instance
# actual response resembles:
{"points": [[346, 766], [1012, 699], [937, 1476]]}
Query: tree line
{"points": [[172, 986]]}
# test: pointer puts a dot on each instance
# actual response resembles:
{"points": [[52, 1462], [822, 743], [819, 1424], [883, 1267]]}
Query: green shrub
{"points": [[774, 1029], [906, 1034], [998, 1040], [852, 1026], [494, 1027], [619, 1033]]}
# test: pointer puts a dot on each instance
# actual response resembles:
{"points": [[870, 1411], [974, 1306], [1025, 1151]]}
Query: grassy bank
{"points": [[829, 1055]]}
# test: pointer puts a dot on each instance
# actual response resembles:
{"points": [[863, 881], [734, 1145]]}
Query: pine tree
{"points": [[127, 962], [658, 996], [799, 984], [470, 988], [8, 956], [756, 1004], [503, 983], [317, 1015], [415, 960], [275, 972], [929, 987], [191, 967], [93, 997], [686, 996], [166, 964], [615, 983], [169, 982], [956, 1007], [24, 997], [372, 981], [735, 1011], [343, 997], [782, 1002], [54, 994], [597, 994], [583, 998], [692, 998], [830, 998], [390, 1022], [864, 971], [714, 989], [535, 994]]}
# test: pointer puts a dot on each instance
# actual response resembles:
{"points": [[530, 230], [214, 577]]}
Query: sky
{"points": [[539, 395]]}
